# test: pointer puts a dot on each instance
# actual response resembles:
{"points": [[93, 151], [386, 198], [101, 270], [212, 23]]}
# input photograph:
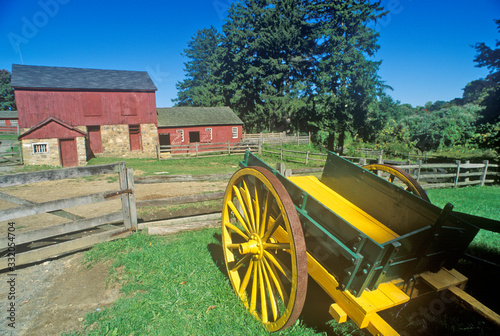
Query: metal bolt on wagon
{"points": [[370, 244]]}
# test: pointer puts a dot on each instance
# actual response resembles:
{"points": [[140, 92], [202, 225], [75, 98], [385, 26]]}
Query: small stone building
{"points": [[65, 112]]}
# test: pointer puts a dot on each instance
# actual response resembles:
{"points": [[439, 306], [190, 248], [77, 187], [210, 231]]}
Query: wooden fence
{"points": [[277, 138], [14, 156], [14, 246], [437, 175], [203, 149]]}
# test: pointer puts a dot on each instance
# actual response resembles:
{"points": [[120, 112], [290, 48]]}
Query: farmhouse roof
{"points": [[196, 116], [46, 122], [8, 114], [46, 77]]}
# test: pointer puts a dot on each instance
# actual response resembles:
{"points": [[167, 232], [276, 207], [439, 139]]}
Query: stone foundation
{"points": [[116, 142]]}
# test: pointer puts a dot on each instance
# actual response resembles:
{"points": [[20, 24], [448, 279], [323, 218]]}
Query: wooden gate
{"points": [[14, 249]]}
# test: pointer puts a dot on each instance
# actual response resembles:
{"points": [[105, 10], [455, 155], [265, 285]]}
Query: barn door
{"points": [[95, 141], [68, 152], [135, 137]]}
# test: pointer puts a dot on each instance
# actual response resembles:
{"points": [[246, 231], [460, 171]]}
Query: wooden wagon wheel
{"points": [[264, 247], [411, 184]]}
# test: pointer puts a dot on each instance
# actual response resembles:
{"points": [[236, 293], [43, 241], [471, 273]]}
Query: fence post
{"points": [[281, 150], [122, 176], [307, 157], [228, 148], [196, 149], [485, 170], [458, 173], [309, 142], [419, 162], [380, 160], [280, 167], [158, 152], [362, 162], [260, 147], [466, 171], [131, 199]]}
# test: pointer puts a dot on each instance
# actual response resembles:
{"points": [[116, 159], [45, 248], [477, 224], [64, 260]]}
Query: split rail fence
{"points": [[14, 246], [199, 149], [12, 157], [433, 175]]}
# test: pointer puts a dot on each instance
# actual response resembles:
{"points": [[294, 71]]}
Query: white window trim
{"points": [[235, 132], [209, 130], [40, 144], [182, 134]]}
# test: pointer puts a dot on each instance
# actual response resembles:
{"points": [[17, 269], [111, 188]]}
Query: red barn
{"points": [[69, 114], [8, 121], [186, 125]]}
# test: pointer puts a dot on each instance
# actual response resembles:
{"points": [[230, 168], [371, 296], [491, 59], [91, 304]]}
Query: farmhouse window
{"points": [[235, 132], [3, 123], [194, 137], [209, 130], [13, 122], [135, 137], [40, 148], [182, 134]]}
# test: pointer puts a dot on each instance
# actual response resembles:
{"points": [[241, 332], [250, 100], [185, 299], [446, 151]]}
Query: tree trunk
{"points": [[341, 142], [330, 141]]}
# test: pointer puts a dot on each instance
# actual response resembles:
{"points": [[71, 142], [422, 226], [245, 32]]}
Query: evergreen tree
{"points": [[346, 79], [489, 123], [268, 44], [202, 87], [7, 99]]}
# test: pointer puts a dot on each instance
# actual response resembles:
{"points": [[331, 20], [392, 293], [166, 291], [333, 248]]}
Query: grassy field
{"points": [[176, 285]]}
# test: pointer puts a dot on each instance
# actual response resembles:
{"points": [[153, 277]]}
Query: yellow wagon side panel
{"points": [[345, 209]]}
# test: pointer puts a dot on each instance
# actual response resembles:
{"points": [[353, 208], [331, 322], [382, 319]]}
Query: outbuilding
{"points": [[187, 125], [64, 112]]}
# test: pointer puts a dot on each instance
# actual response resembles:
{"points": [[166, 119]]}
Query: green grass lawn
{"points": [[176, 285]]}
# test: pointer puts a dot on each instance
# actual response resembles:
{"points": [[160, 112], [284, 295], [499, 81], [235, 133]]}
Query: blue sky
{"points": [[425, 45]]}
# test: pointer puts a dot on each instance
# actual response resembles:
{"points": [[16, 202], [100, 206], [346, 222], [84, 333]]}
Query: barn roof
{"points": [[46, 77], [196, 116]]}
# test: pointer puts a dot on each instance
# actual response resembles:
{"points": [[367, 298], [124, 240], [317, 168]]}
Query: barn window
{"points": [[235, 132], [135, 137], [194, 137], [40, 148], [209, 130], [13, 122], [182, 134]]}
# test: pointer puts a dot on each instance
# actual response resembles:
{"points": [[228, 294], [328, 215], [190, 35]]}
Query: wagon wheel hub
{"points": [[253, 246]]}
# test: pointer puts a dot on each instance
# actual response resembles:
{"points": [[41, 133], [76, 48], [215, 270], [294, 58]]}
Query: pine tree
{"points": [[7, 100], [268, 42], [347, 79], [201, 86]]}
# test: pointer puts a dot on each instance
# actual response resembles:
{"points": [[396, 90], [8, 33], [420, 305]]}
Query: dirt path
{"points": [[53, 297]]}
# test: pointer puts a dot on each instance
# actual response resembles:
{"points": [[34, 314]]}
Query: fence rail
{"points": [[274, 138], [203, 149], [127, 215], [437, 175], [14, 156]]}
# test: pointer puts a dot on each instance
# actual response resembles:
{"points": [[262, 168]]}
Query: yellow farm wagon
{"points": [[370, 244]]}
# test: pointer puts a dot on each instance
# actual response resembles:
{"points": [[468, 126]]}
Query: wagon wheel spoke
{"points": [[264, 247], [398, 174]]}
